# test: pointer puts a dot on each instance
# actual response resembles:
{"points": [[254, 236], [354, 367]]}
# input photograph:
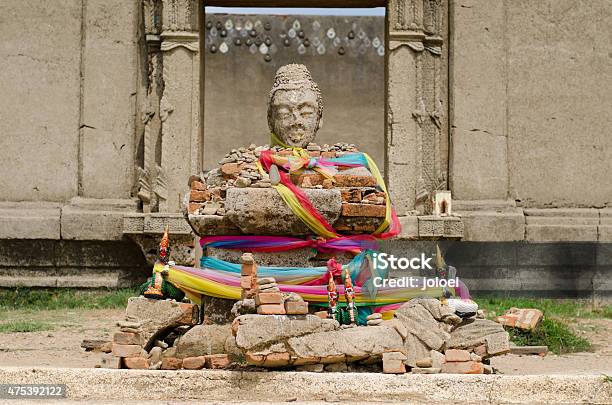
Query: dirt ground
{"points": [[60, 347]]}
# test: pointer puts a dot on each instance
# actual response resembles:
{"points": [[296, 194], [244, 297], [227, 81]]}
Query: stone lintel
{"points": [[95, 219], [155, 223]]}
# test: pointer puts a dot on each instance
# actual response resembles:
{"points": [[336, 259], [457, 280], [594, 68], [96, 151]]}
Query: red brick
{"points": [[127, 338], [276, 360], [523, 318], [198, 185], [193, 207], [328, 155], [480, 350], [171, 363], [321, 314], [217, 361], [199, 196], [194, 363], [268, 298], [311, 179], [314, 153], [463, 367], [245, 282], [296, 308], [139, 363], [350, 180], [363, 210], [375, 198], [254, 359], [271, 309], [351, 195], [248, 269], [457, 355], [126, 350], [231, 169]]}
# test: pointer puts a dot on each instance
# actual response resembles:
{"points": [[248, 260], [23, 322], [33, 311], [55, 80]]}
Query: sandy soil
{"points": [[60, 347]]}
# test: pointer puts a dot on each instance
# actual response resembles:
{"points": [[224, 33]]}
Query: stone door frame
{"points": [[416, 108]]}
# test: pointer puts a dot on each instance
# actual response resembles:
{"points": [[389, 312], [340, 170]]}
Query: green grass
{"points": [[60, 298], [550, 307], [24, 326], [554, 331]]}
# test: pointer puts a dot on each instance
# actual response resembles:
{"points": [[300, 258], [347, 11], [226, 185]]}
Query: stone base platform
{"points": [[216, 385]]}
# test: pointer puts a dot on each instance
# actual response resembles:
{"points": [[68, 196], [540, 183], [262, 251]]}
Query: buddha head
{"points": [[295, 106]]}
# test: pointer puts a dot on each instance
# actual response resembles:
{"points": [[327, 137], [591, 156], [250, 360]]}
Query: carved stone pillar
{"points": [[179, 105], [417, 94]]}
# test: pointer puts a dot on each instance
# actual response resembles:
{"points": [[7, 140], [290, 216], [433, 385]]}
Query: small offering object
{"points": [[345, 316]]}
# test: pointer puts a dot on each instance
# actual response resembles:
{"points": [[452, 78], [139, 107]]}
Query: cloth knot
{"points": [[312, 163]]}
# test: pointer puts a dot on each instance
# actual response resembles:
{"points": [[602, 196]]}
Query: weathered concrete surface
{"points": [[216, 385], [109, 74], [478, 128], [39, 72], [559, 97]]}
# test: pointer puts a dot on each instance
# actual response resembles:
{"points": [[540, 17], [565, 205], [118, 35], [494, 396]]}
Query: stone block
{"points": [[263, 298], [437, 359], [108, 360], [463, 367], [139, 363], [126, 350], [393, 363], [556, 224], [410, 227], [454, 355], [203, 340], [363, 210], [430, 226], [217, 361], [261, 331], [30, 220], [271, 309], [472, 333], [126, 338], [171, 363], [231, 170], [194, 363], [263, 211], [498, 343], [296, 307]]}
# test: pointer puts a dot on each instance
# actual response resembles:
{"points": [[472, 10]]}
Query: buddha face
{"points": [[295, 116]]}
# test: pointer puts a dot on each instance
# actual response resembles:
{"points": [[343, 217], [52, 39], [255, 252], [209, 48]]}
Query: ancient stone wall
{"points": [[503, 102]]}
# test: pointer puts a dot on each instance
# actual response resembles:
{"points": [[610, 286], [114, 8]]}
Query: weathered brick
{"points": [[296, 307], [248, 269], [194, 363], [328, 155], [231, 169], [126, 350], [394, 367], [456, 355], [171, 363], [193, 207], [198, 185], [254, 359], [497, 343], [199, 195], [523, 318], [463, 367], [321, 314], [245, 282], [217, 361], [127, 338], [350, 180], [352, 195], [276, 359], [307, 179], [314, 153], [109, 361], [363, 210], [268, 298], [139, 363], [271, 309]]}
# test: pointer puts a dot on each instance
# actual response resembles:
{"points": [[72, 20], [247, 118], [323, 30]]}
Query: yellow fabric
{"points": [[381, 183]]}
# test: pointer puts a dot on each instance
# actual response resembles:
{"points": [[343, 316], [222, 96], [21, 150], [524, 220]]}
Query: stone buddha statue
{"points": [[238, 197], [295, 107]]}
